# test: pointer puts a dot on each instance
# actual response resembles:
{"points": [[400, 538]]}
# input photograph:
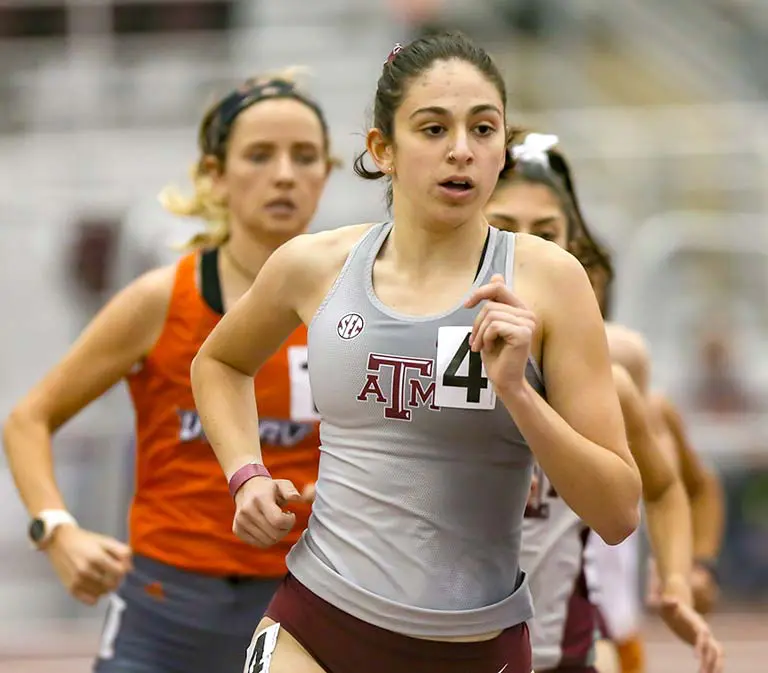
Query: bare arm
{"points": [[666, 504], [119, 336], [669, 526], [577, 435], [249, 333], [703, 487]]}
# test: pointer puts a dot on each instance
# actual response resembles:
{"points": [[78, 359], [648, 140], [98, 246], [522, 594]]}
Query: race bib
{"points": [[259, 653], [302, 404], [461, 381]]}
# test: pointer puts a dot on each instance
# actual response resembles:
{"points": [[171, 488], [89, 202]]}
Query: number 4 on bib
{"points": [[461, 381]]}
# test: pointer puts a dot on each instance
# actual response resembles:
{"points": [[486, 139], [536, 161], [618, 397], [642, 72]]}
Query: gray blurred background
{"points": [[660, 105]]}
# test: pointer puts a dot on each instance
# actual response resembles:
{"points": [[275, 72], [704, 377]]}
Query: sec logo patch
{"points": [[350, 326]]}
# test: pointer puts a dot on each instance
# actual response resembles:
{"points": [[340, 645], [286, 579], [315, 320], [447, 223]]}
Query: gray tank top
{"points": [[417, 520]]}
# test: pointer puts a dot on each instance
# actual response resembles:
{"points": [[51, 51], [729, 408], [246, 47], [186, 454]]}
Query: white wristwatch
{"points": [[42, 527]]}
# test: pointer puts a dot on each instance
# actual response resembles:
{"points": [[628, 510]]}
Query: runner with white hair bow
{"points": [[534, 148]]}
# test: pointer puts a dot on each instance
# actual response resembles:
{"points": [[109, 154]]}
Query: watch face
{"points": [[37, 530]]}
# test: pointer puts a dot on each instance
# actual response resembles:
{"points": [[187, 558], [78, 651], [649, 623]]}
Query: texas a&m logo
{"points": [[455, 379], [411, 385]]}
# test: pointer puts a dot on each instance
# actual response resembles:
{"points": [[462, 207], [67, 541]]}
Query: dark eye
{"points": [[546, 235], [306, 158], [484, 129], [259, 156], [433, 130]]}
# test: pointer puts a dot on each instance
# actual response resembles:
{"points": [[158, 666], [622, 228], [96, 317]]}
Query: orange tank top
{"points": [[182, 512]]}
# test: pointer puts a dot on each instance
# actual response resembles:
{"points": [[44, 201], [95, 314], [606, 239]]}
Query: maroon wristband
{"points": [[246, 472]]}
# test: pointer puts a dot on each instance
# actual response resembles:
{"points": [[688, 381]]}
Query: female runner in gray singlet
{"points": [[442, 361]]}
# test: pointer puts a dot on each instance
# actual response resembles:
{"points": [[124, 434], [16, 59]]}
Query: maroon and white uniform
{"points": [[563, 630]]}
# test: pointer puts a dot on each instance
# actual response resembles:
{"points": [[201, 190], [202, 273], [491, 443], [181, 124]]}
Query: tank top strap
{"points": [[185, 292], [356, 266], [499, 256], [492, 261], [504, 263], [369, 249], [509, 258], [186, 270]]}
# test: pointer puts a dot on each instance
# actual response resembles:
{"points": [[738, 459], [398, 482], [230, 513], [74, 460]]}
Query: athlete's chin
{"points": [[452, 213], [283, 228]]}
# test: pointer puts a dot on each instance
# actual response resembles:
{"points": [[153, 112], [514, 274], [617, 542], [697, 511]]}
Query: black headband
{"points": [[242, 98]]}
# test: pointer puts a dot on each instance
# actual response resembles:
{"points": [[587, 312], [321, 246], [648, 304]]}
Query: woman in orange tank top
{"points": [[188, 592]]}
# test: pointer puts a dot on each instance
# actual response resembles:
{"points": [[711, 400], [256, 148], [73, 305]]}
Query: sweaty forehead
{"points": [[277, 121], [455, 85]]}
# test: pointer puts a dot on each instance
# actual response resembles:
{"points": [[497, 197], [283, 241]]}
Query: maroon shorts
{"points": [[341, 643], [570, 669]]}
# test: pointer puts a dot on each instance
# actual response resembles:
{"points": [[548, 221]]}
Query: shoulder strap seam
{"points": [[354, 250]]}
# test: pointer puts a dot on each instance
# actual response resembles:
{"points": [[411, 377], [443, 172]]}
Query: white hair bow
{"points": [[534, 148]]}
